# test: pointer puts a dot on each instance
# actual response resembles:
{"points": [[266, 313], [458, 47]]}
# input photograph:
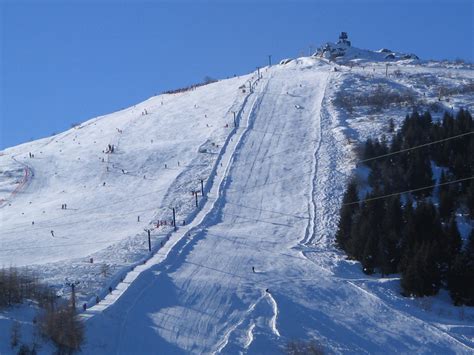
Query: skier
{"points": [[110, 289], [253, 269], [84, 306], [103, 184], [96, 299], [52, 233], [267, 290]]}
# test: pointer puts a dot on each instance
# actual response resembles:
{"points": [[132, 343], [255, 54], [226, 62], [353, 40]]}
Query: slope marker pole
{"points": [[149, 240], [196, 197], [174, 218]]}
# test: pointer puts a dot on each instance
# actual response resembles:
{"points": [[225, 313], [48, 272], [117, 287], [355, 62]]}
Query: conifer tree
{"points": [[368, 149], [369, 256], [389, 251], [409, 236], [453, 240], [470, 198], [419, 173], [447, 198], [422, 276], [391, 125], [461, 287], [410, 280], [347, 212], [360, 229]]}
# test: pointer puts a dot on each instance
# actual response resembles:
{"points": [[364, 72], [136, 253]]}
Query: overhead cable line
{"points": [[407, 191], [416, 147]]}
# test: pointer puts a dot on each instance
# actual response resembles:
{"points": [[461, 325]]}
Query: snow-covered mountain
{"points": [[254, 264]]}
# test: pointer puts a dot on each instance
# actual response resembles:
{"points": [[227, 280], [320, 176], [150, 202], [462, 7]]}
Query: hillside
{"points": [[254, 265]]}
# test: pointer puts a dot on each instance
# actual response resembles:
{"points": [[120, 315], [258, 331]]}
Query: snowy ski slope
{"points": [[273, 188], [101, 221]]}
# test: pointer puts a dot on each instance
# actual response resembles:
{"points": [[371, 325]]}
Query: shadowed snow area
{"points": [[254, 266]]}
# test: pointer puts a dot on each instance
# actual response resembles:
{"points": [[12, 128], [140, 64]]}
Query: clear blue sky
{"points": [[67, 61]]}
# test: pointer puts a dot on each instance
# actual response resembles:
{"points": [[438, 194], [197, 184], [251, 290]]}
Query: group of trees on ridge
{"points": [[415, 233]]}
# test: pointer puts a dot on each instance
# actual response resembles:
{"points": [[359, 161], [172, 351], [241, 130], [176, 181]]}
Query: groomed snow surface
{"points": [[254, 265]]}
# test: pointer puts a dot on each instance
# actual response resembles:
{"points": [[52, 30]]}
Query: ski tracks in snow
{"points": [[257, 317], [312, 209], [225, 339], [273, 320]]}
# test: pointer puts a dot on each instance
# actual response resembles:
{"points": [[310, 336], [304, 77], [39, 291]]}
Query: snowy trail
{"points": [[268, 144], [311, 232], [200, 301]]}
